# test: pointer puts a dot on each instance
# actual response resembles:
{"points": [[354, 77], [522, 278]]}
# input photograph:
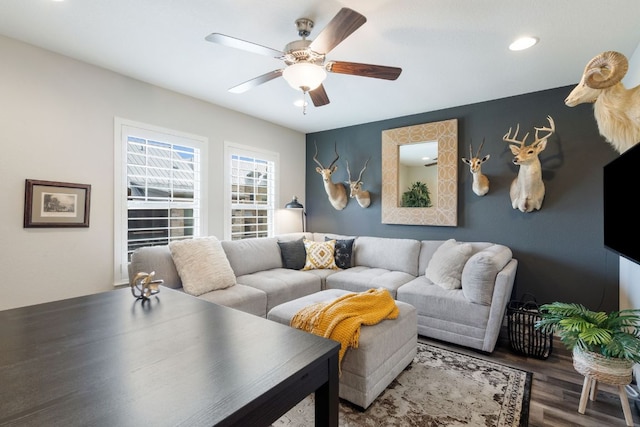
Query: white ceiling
{"points": [[452, 52]]}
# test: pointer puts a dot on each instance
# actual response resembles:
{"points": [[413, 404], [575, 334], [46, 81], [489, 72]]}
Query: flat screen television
{"points": [[621, 190]]}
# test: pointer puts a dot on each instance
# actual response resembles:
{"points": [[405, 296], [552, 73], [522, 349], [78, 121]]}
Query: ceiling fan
{"points": [[305, 59], [433, 161]]}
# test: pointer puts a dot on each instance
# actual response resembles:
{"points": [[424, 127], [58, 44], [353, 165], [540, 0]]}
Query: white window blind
{"points": [[159, 193], [251, 192], [163, 182]]}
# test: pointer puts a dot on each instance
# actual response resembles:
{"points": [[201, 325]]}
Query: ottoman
{"points": [[384, 350]]}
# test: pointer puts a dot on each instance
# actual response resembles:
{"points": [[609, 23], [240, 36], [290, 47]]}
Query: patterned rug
{"points": [[439, 388]]}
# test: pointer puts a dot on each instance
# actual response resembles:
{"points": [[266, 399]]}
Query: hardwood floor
{"points": [[556, 388]]}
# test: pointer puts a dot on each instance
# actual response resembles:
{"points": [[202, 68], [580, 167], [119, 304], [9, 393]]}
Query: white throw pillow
{"points": [[480, 271], [446, 264], [202, 265]]}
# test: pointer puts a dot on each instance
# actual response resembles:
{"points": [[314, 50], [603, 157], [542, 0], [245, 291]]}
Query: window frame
{"points": [[231, 148], [122, 129]]}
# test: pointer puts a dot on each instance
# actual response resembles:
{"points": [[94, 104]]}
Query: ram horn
{"points": [[615, 62]]}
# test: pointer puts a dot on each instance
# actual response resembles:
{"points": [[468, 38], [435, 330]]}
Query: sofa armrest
{"points": [[158, 259], [501, 296]]}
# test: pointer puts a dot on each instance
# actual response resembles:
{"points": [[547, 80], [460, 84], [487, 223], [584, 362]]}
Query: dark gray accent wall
{"points": [[559, 248]]}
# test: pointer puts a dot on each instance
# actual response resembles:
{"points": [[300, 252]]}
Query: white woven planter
{"points": [[607, 370]]}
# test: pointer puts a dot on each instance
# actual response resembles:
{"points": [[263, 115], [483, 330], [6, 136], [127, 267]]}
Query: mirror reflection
{"points": [[418, 174]]}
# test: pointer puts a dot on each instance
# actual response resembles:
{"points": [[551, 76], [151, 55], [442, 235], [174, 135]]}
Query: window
{"points": [[250, 182], [158, 189]]}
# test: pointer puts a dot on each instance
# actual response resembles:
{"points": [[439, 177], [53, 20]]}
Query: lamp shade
{"points": [[294, 204], [304, 76]]}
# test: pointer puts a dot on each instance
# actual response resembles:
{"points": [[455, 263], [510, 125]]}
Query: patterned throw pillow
{"points": [[320, 255], [344, 248]]}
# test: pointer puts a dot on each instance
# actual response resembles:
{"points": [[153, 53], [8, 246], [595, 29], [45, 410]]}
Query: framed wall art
{"points": [[56, 204]]}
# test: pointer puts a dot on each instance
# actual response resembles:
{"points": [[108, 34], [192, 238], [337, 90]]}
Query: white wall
{"points": [[629, 271], [56, 123]]}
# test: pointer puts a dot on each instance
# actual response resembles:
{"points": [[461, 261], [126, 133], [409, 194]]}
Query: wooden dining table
{"points": [[109, 359]]}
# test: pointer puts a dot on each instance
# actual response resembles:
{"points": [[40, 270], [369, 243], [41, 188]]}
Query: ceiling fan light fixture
{"points": [[304, 76]]}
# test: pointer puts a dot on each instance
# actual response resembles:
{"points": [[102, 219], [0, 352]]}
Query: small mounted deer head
{"points": [[480, 184], [363, 197], [527, 189], [336, 192]]}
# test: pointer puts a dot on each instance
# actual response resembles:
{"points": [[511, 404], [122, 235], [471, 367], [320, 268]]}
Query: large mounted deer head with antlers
{"points": [[527, 189], [480, 184], [363, 197], [336, 192]]}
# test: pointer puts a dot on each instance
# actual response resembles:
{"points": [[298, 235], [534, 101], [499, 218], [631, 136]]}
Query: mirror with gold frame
{"points": [[444, 197]]}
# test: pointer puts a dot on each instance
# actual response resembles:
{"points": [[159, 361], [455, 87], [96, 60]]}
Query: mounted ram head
{"points": [[616, 109]]}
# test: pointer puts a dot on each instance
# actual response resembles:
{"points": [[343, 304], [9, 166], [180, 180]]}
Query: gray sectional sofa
{"points": [[467, 308]]}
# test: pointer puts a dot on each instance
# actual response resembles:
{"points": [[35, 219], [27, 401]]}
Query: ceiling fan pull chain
{"points": [[304, 102]]}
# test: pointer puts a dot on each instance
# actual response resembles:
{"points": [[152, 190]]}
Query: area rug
{"points": [[439, 388]]}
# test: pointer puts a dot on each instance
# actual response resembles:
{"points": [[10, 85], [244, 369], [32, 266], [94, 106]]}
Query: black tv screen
{"points": [[621, 191]]}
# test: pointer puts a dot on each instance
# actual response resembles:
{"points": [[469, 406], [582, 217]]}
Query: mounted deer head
{"points": [[363, 197], [480, 184], [336, 192], [527, 189]]}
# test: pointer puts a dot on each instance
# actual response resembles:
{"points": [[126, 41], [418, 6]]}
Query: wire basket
{"points": [[524, 338]]}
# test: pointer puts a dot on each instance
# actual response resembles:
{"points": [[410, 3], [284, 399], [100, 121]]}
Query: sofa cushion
{"points": [[264, 254], [293, 254], [344, 249], [387, 253], [480, 271], [320, 255], [446, 264], [202, 265]]}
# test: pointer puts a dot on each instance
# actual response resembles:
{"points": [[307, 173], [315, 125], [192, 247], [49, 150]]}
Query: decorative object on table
{"points": [[524, 337], [527, 189], [336, 192], [143, 286], [616, 109], [363, 197], [480, 184], [440, 388], [417, 196], [605, 346], [56, 204]]}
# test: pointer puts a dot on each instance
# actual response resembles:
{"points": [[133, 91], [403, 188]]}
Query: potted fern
{"points": [[602, 343]]}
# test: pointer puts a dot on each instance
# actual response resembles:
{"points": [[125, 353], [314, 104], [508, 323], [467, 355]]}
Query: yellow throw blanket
{"points": [[340, 320]]}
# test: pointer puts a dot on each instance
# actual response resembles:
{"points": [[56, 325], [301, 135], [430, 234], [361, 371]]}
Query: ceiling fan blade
{"points": [[319, 96], [249, 84], [365, 70], [244, 45], [339, 28]]}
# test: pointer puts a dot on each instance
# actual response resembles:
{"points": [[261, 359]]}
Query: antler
{"points": [[315, 156], [480, 148], [348, 171], [508, 138], [335, 148], [365, 166], [550, 129]]}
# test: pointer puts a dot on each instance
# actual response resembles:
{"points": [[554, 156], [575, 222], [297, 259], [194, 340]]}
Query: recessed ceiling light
{"points": [[523, 43]]}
